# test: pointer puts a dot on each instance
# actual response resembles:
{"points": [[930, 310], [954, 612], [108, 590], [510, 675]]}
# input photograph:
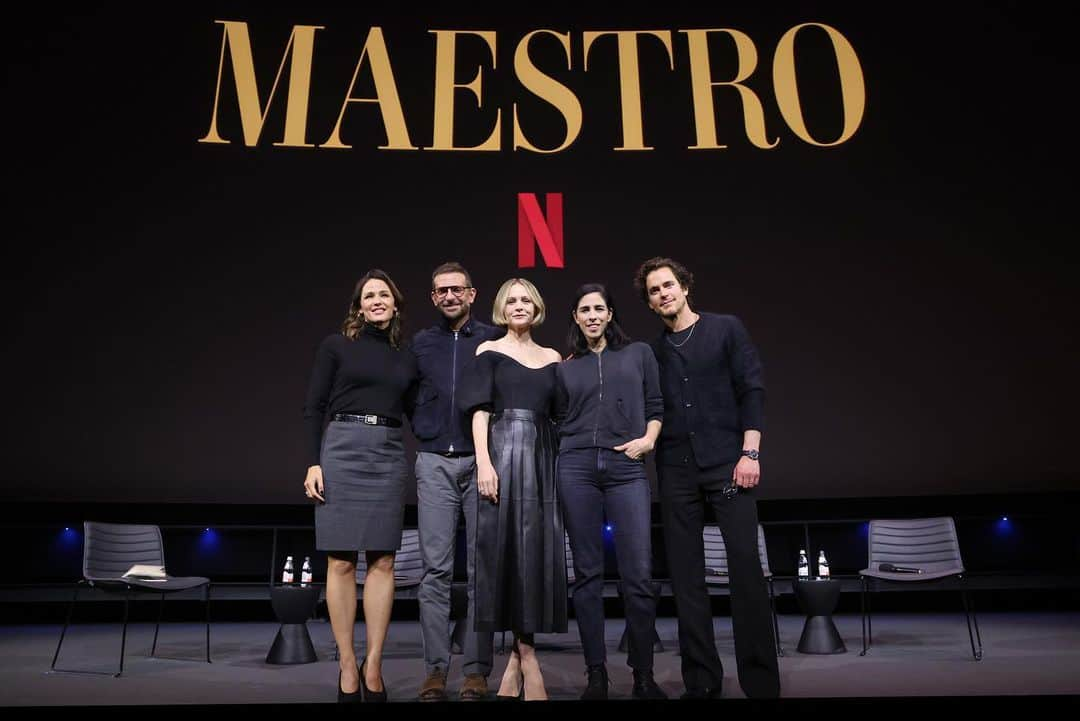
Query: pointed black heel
{"points": [[369, 695], [354, 697]]}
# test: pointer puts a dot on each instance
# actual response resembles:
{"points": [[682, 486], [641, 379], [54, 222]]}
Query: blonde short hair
{"points": [[498, 313]]}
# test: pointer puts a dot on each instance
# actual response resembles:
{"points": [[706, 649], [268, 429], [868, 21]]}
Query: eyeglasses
{"points": [[457, 290]]}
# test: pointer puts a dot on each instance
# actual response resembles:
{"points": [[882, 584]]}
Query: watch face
{"points": [[752, 455]]}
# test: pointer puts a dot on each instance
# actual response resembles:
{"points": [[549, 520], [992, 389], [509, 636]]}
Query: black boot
{"points": [[645, 686], [596, 687]]}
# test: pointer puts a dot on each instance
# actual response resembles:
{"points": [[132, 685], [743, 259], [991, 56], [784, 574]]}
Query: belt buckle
{"points": [[371, 420]]}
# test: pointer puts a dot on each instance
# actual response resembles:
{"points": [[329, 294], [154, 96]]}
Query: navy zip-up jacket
{"points": [[441, 354], [605, 399]]}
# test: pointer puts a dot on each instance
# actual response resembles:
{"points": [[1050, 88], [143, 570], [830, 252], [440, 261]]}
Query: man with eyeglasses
{"points": [[445, 485]]}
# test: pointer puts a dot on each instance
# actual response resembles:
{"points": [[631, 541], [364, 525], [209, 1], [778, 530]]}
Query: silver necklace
{"points": [[686, 340]]}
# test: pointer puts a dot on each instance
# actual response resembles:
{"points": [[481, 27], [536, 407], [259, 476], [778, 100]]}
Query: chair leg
{"points": [[123, 634], [865, 618], [208, 624], [969, 614], [67, 622], [161, 608], [775, 623]]}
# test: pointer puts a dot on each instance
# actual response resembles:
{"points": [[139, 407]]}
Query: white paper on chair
{"points": [[146, 573]]}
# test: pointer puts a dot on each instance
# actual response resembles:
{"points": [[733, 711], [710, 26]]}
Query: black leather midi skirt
{"points": [[520, 580]]}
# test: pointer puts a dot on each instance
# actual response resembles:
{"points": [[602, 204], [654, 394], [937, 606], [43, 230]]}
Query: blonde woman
{"points": [[520, 580]]}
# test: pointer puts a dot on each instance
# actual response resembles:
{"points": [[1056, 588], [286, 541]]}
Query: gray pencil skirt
{"points": [[364, 474]]}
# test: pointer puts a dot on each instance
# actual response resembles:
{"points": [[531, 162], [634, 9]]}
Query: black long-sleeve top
{"points": [[714, 391], [359, 376], [608, 398]]}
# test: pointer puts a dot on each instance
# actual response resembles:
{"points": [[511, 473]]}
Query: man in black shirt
{"points": [[445, 482], [714, 398]]}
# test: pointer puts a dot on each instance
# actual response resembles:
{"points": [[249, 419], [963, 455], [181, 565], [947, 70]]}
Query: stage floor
{"points": [[913, 655]]}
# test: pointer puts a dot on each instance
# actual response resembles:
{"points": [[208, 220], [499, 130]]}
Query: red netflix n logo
{"points": [[536, 230]]}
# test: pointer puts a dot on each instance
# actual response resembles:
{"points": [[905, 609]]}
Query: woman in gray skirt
{"points": [[357, 472]]}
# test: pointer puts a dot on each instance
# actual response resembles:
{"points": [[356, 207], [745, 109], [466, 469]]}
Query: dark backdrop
{"points": [[912, 290]]}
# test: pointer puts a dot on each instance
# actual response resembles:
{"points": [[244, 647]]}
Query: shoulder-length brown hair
{"points": [[353, 325]]}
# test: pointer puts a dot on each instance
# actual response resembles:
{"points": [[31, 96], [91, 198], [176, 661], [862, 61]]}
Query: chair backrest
{"points": [[408, 563], [927, 543], [716, 561], [570, 575], [110, 549]]}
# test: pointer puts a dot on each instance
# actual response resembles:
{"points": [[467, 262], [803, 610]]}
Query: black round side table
{"points": [[293, 606], [818, 598]]}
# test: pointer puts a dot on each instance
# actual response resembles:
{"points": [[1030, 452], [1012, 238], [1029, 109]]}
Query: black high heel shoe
{"points": [[369, 695], [355, 696]]}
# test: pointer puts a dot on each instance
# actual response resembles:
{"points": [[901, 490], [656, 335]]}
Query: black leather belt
{"points": [[369, 419], [455, 454]]}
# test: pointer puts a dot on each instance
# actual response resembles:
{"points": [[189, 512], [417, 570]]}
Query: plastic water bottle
{"points": [[822, 565], [804, 564], [305, 572], [287, 574]]}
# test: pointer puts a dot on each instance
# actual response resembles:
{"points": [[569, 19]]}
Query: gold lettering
{"points": [[630, 80], [445, 87], [549, 89], [852, 84], [252, 114], [386, 97], [702, 83]]}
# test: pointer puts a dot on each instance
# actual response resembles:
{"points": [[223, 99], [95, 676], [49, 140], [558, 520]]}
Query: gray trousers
{"points": [[445, 487]]}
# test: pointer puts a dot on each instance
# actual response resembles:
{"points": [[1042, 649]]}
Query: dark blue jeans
{"points": [[594, 484]]}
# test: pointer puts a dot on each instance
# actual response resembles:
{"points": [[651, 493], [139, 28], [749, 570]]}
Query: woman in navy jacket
{"points": [[609, 404]]}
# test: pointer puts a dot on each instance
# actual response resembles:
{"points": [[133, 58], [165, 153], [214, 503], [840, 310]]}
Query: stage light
{"points": [[69, 537], [1005, 518], [608, 528], [208, 540]]}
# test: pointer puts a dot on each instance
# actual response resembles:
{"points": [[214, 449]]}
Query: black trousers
{"points": [[684, 491]]}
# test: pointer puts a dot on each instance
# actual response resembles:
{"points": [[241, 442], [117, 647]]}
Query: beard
{"points": [[671, 310], [454, 312]]}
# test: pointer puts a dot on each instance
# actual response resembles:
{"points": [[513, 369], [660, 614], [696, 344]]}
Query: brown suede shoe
{"points": [[434, 688], [474, 688]]}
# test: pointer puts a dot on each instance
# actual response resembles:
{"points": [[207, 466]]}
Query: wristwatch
{"points": [[751, 454]]}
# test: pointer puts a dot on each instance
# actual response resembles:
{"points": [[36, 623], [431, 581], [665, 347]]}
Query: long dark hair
{"points": [[353, 325], [615, 336]]}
